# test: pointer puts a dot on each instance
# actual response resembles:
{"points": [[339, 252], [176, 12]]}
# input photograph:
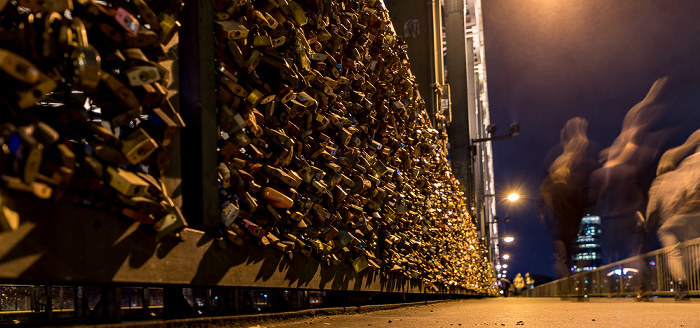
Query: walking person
{"points": [[674, 206], [519, 284], [505, 286], [564, 198], [529, 284]]}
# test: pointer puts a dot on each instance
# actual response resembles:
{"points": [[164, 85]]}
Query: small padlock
{"points": [[125, 182], [138, 146], [169, 27]]}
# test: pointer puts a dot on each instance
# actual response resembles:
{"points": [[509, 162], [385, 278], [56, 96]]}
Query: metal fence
{"points": [[626, 277]]}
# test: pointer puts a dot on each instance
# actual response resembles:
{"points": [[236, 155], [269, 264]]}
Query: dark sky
{"points": [[550, 60]]}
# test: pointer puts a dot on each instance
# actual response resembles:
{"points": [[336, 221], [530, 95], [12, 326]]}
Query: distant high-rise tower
{"points": [[587, 250]]}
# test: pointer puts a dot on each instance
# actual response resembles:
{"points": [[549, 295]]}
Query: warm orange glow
{"points": [[513, 197]]}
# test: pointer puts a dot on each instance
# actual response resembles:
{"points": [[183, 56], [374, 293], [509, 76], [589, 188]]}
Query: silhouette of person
{"points": [[529, 284], [564, 198], [621, 185], [674, 205], [518, 284]]}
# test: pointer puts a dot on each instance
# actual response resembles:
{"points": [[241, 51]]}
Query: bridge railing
{"points": [[626, 277]]}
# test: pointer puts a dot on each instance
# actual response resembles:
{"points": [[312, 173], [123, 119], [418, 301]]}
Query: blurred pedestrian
{"points": [[621, 185], [529, 284], [674, 205], [518, 284], [505, 285], [564, 196]]}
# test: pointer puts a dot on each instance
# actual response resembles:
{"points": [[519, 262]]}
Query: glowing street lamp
{"points": [[513, 197], [506, 256], [508, 239]]}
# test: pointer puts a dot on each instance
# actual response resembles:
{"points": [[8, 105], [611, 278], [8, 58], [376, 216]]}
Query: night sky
{"points": [[550, 60]]}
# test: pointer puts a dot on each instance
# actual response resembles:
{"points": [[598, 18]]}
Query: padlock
{"points": [[168, 28], [131, 109], [18, 67], [144, 38], [232, 29], [329, 234], [280, 137], [170, 224], [125, 182], [274, 240], [147, 14], [140, 75], [155, 188], [233, 237], [248, 203], [38, 189], [276, 198], [290, 179], [29, 97], [165, 126], [224, 175], [144, 205], [253, 229], [47, 6], [28, 152], [253, 60], [138, 146]]}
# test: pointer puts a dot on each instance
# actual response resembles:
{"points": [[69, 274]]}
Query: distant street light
{"points": [[506, 256], [513, 197], [508, 239]]}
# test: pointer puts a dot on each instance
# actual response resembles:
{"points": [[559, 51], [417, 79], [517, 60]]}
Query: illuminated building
{"points": [[587, 249]]}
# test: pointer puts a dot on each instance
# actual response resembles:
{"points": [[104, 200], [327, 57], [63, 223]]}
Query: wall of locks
{"points": [[85, 114], [325, 147]]}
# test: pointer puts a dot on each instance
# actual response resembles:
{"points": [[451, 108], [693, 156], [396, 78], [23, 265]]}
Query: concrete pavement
{"points": [[518, 311]]}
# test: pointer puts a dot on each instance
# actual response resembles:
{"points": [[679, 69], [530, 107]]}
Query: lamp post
{"points": [[481, 181]]}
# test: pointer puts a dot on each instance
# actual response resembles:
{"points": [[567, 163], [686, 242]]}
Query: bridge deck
{"points": [[520, 311]]}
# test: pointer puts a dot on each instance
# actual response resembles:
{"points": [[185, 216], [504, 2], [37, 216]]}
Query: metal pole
{"points": [[198, 109]]}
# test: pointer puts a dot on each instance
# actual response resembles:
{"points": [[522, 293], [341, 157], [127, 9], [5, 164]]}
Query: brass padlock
{"points": [[233, 237], [169, 27], [138, 146], [18, 67], [147, 14], [140, 75], [38, 189], [125, 182]]}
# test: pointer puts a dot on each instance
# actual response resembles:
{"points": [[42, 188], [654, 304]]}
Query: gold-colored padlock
{"points": [[125, 182], [138, 146], [169, 27]]}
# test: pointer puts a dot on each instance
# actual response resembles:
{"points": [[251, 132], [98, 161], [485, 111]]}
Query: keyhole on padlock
{"points": [[21, 68], [130, 23]]}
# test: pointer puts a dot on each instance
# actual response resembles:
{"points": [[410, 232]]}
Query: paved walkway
{"points": [[516, 311]]}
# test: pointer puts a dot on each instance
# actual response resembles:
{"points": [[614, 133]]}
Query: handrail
{"points": [[606, 281]]}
